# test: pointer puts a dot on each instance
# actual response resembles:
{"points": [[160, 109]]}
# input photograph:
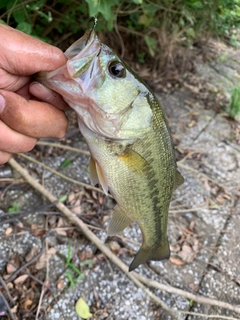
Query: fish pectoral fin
{"points": [[155, 253], [93, 172], [101, 178], [119, 221], [179, 180], [133, 160]]}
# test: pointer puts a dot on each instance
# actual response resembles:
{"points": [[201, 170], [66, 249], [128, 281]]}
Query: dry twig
{"points": [[85, 185], [136, 278]]}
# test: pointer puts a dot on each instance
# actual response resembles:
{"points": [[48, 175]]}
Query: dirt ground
{"points": [[204, 218]]}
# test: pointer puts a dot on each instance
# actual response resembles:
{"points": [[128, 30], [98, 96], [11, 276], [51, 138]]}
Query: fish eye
{"points": [[116, 69]]}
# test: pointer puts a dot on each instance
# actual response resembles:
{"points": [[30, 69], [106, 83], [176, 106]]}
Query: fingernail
{"points": [[41, 91], [2, 103]]}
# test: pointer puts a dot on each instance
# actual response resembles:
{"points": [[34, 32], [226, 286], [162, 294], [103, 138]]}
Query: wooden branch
{"points": [[136, 278], [90, 235]]}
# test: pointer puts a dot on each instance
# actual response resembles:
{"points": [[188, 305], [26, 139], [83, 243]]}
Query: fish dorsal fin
{"points": [[119, 221], [101, 178], [179, 180], [93, 172], [133, 160]]}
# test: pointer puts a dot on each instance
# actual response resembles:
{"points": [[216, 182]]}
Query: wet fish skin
{"points": [[127, 134]]}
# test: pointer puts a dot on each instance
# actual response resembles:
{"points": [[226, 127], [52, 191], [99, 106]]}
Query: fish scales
{"points": [[127, 134]]}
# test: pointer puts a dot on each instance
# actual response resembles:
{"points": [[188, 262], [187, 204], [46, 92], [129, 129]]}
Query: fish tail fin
{"points": [[145, 254]]}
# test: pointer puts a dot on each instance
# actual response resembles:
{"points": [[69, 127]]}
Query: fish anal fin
{"points": [[93, 172], [133, 160], [101, 178], [118, 222], [155, 253], [179, 180]]}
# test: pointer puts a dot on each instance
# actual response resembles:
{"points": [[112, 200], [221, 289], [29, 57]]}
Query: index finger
{"points": [[24, 55]]}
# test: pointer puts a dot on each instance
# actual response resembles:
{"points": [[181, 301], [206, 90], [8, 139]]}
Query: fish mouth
{"points": [[82, 56]]}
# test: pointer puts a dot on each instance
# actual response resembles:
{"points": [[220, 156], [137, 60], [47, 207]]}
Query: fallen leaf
{"points": [[34, 226], [60, 284], [38, 232], [193, 123], [10, 285], [10, 267], [174, 247], [8, 231], [31, 254], [60, 232], [114, 246], [15, 308], [176, 261], [187, 254], [227, 196], [20, 279], [82, 309], [220, 199], [194, 287], [76, 208], [44, 258], [185, 230], [27, 304], [192, 225]]}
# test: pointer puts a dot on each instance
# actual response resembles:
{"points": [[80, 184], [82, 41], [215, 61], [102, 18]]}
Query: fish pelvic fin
{"points": [[93, 172], [97, 176], [119, 221], [101, 178], [145, 254], [179, 180]]}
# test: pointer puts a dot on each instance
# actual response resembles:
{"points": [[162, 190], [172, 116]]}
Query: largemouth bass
{"points": [[127, 134]]}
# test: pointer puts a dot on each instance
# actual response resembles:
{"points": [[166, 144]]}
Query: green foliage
{"points": [[73, 269], [154, 23], [13, 208], [234, 107], [65, 163]]}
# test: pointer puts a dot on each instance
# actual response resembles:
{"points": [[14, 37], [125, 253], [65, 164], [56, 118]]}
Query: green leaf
{"points": [[74, 268], [93, 6], [3, 3], [24, 27], [35, 6], [14, 208], [19, 15], [2, 22], [137, 1], [191, 303], [68, 261], [190, 33], [151, 43], [145, 20], [196, 5], [62, 198], [65, 163], [82, 309], [87, 262], [103, 6], [10, 5], [70, 278]]}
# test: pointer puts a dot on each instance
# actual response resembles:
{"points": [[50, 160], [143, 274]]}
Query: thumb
{"points": [[30, 117]]}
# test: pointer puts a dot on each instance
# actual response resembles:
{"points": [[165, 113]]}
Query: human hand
{"points": [[28, 110]]}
